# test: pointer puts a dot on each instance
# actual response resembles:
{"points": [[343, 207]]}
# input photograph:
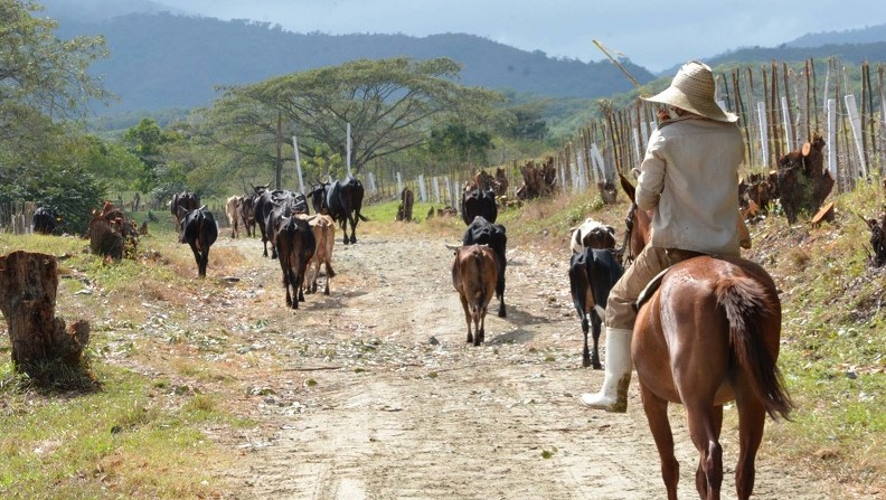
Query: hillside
{"points": [[869, 34], [162, 60], [853, 53]]}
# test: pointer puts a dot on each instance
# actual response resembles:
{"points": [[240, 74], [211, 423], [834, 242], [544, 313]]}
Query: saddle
{"points": [[655, 282], [650, 289]]}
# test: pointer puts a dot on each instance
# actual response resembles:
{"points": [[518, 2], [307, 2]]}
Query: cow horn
{"points": [[451, 247]]}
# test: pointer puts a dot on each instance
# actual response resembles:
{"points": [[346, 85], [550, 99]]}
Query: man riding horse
{"points": [[689, 178]]}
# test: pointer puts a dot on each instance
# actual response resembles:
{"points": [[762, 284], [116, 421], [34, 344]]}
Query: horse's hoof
{"points": [[598, 366], [502, 313], [326, 293], [586, 363], [353, 239]]}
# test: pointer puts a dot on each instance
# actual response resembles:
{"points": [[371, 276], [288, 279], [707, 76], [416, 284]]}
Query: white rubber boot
{"points": [[613, 397]]}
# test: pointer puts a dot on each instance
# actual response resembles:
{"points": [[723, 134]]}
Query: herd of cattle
{"points": [[300, 241], [303, 243], [480, 263]]}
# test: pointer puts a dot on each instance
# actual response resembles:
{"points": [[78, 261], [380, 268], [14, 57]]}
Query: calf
{"points": [[592, 274], [478, 202], [474, 274], [295, 246], [592, 234], [45, 220], [323, 228], [199, 231], [483, 232], [232, 210]]}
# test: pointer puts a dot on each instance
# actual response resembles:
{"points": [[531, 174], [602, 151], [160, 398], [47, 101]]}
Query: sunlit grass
{"points": [[127, 439]]}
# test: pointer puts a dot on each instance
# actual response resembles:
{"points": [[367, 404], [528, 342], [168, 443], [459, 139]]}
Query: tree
{"points": [[39, 70], [146, 141], [391, 104], [459, 144]]}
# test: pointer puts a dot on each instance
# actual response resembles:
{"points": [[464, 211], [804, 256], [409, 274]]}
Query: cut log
{"points": [[40, 341], [826, 213]]}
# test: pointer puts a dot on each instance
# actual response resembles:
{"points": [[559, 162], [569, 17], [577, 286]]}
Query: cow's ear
{"points": [[611, 230]]}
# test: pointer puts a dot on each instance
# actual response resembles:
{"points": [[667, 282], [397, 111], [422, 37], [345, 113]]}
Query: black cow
{"points": [[483, 232], [477, 202], [317, 196], [295, 243], [199, 231], [186, 200], [592, 274], [288, 202], [45, 220], [344, 200]]}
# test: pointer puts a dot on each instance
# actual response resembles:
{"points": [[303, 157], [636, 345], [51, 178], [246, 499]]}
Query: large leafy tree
{"points": [[40, 71], [391, 105], [42, 80]]}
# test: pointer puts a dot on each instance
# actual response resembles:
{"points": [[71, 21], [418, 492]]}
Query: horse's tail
{"points": [[744, 301]]}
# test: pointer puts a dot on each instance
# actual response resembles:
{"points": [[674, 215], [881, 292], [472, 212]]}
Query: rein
{"points": [[627, 253]]}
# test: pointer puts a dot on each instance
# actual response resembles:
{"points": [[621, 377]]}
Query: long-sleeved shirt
{"points": [[690, 176]]}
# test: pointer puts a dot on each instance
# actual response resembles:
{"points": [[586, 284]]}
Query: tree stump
{"points": [[538, 181], [41, 345], [803, 183], [111, 233], [404, 211], [878, 239]]}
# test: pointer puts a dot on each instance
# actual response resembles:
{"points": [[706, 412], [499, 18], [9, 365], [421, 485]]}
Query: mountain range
{"points": [[163, 58]]}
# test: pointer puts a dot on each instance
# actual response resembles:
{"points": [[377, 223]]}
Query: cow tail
{"points": [[744, 302]]}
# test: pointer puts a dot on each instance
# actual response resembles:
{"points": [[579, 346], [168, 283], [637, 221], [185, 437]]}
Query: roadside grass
{"points": [[833, 328], [130, 438]]}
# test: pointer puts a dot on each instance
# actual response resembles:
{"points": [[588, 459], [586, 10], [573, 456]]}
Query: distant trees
{"points": [[42, 80], [391, 105]]}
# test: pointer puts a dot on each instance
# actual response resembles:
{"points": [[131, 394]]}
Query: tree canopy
{"points": [[391, 105]]}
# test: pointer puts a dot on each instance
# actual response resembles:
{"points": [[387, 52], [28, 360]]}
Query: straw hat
{"points": [[693, 89]]}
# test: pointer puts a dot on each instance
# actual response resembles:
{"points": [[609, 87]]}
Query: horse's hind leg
{"points": [[704, 429], [701, 481], [657, 414], [751, 419]]}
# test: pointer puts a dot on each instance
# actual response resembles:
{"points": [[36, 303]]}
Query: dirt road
{"points": [[394, 404]]}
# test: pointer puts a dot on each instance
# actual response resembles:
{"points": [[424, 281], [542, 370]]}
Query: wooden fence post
{"points": [[832, 139], [855, 122], [764, 136]]}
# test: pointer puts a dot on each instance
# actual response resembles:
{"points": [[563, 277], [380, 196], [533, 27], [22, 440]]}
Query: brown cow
{"points": [[232, 210], [323, 228], [474, 275]]}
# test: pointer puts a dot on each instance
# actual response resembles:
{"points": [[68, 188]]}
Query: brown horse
{"points": [[708, 335]]}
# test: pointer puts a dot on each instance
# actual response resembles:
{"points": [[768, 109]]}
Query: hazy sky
{"points": [[656, 34]]}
